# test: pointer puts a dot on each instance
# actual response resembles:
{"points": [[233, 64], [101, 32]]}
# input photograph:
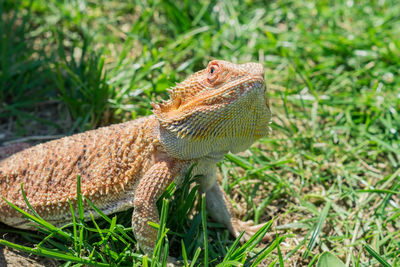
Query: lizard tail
{"points": [[9, 150]]}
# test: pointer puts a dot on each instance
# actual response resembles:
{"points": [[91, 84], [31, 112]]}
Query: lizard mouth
{"points": [[227, 92], [223, 95]]}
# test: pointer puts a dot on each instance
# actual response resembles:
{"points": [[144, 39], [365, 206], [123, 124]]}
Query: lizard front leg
{"points": [[150, 188], [219, 207]]}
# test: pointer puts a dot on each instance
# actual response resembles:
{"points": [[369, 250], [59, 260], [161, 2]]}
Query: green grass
{"points": [[103, 242], [329, 172]]}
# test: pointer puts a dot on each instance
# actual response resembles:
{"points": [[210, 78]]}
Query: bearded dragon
{"points": [[223, 108]]}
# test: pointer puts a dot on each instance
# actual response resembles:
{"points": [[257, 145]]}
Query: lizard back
{"points": [[110, 161]]}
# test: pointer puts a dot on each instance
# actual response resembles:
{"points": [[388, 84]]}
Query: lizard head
{"points": [[222, 104]]}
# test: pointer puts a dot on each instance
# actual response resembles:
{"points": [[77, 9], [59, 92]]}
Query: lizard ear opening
{"points": [[177, 102], [167, 106]]}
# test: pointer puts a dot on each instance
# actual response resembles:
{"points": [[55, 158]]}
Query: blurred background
{"points": [[332, 71]]}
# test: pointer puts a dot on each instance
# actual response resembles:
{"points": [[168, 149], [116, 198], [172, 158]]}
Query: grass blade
{"points": [[51, 254], [378, 257], [204, 224], [318, 228]]}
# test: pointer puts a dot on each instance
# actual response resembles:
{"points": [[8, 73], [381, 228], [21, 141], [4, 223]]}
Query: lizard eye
{"points": [[213, 73]]}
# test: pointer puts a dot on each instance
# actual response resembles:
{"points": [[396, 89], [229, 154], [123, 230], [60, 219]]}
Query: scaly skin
{"points": [[219, 109]]}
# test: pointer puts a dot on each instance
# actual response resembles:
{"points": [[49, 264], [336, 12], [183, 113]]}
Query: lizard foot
{"points": [[173, 262], [249, 228]]}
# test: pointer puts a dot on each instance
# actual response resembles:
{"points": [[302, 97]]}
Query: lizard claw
{"points": [[173, 262], [249, 228]]}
